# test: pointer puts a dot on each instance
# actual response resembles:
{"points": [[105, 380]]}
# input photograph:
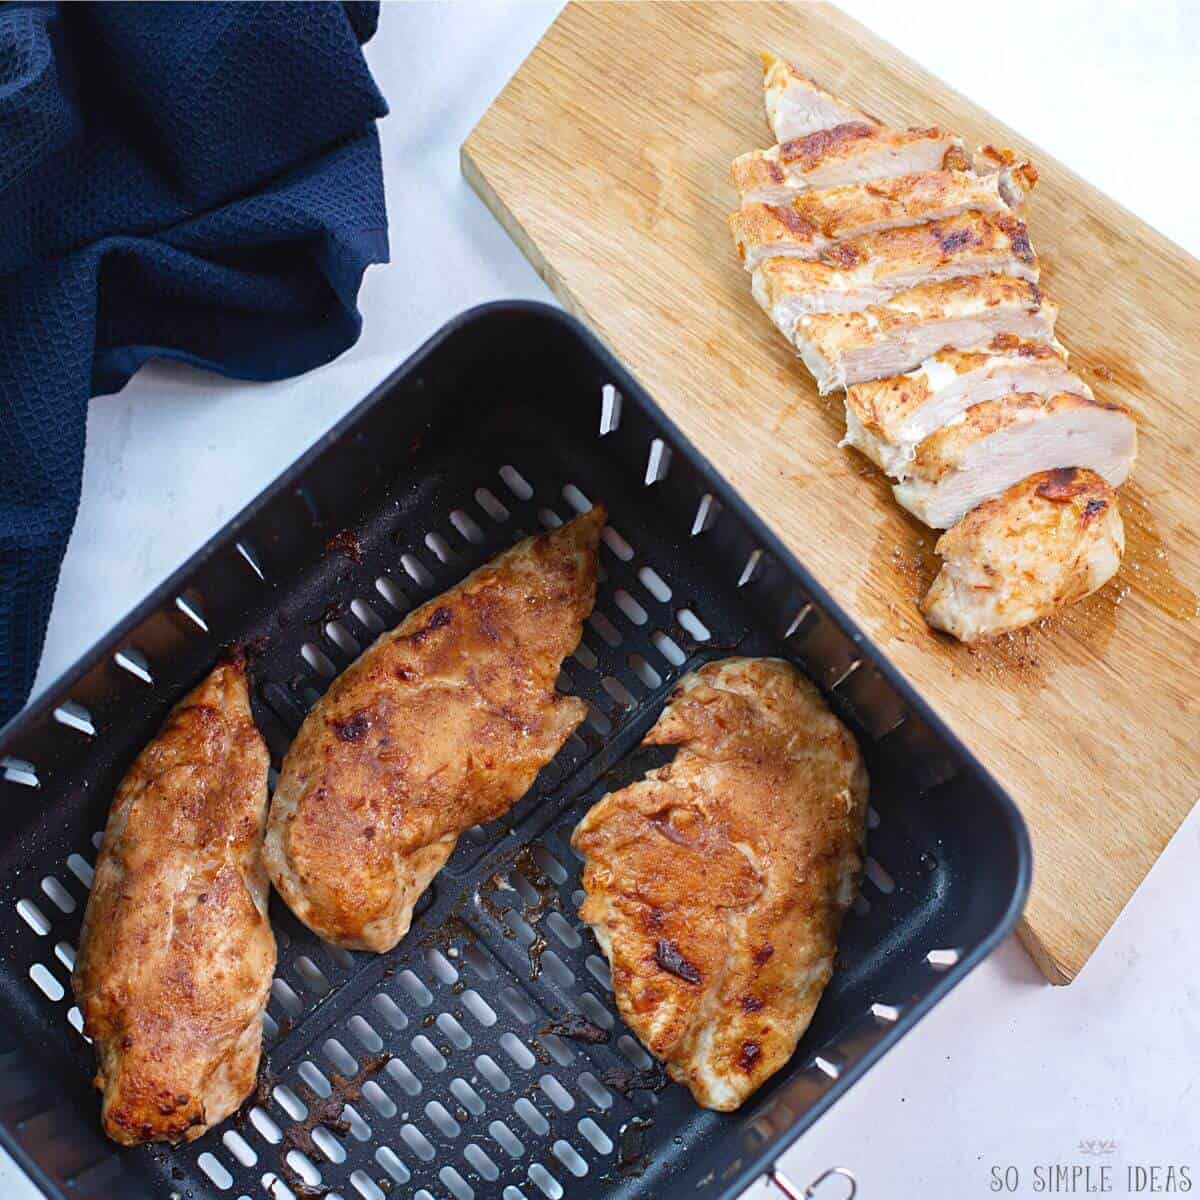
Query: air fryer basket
{"points": [[454, 1066]]}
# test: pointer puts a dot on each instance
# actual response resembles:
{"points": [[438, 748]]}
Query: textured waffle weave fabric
{"points": [[192, 181]]}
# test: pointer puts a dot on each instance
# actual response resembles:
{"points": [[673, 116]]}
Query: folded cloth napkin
{"points": [[193, 181]]}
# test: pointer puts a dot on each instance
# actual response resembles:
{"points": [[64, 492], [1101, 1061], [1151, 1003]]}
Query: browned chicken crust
{"points": [[443, 723], [716, 885], [176, 955]]}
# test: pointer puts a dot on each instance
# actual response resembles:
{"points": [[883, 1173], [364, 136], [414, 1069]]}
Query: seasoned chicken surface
{"points": [[887, 418], [796, 106], [716, 885], [999, 442], [1047, 542], [816, 224], [852, 153], [1017, 176], [176, 955], [870, 270], [840, 349], [441, 724]]}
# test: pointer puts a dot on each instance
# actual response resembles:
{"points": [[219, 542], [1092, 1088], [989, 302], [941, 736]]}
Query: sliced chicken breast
{"points": [[716, 885], [998, 443], [1046, 542], [887, 418], [797, 106], [887, 339], [1016, 175], [852, 153], [870, 270], [813, 223]]}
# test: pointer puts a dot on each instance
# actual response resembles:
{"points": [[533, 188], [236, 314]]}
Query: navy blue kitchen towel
{"points": [[193, 181]]}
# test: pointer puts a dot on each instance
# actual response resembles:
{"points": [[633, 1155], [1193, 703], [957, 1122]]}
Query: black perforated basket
{"points": [[453, 1067]]}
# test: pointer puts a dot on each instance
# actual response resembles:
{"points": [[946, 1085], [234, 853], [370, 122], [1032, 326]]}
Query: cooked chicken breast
{"points": [[796, 106], [176, 954], [853, 153], [887, 339], [441, 724], [887, 418], [1047, 542], [870, 270], [716, 885], [1017, 176], [998, 443], [816, 224]]}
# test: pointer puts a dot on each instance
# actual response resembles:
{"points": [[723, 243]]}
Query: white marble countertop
{"points": [[1007, 1071]]}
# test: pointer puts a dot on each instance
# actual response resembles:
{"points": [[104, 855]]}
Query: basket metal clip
{"points": [[792, 1191]]}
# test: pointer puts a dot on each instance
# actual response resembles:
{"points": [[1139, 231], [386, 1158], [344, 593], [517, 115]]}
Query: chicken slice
{"points": [[1016, 176], [999, 442], [870, 270], [814, 224], [852, 153], [442, 724], [716, 885], [797, 106], [887, 418], [887, 339], [1046, 542], [176, 954]]}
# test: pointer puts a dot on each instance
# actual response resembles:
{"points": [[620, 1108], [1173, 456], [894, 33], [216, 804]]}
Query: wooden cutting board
{"points": [[607, 159]]}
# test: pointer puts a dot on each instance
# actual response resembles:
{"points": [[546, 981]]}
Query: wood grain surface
{"points": [[607, 159]]}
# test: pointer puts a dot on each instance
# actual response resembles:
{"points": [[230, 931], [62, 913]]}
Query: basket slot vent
{"points": [[443, 970], [215, 1170], [630, 607], [466, 528], [454, 1031], [595, 1012], [75, 716], [417, 571], [556, 1093], [885, 1013], [654, 583], [644, 671], [446, 1125], [328, 1145], [634, 1052], [599, 1140], [304, 1167], [415, 988], [367, 617], [829, 1068], [479, 1008], [417, 1142], [81, 869], [250, 557], [403, 1076], [556, 1048], [570, 1158], [189, 604], [595, 1091], [610, 409], [286, 997], [63, 900], [311, 976], [547, 1184], [340, 636], [490, 1070], [517, 1051], [557, 924], [17, 770], [491, 505], [75, 1020], [707, 512], [314, 1078], [879, 876], [359, 1129], [317, 660], [392, 1164], [616, 543], [525, 1109], [366, 1186], [576, 499], [438, 546], [428, 1053], [481, 1162], [392, 593], [692, 625], [378, 1099], [480, 963], [341, 1058], [289, 1102], [658, 463], [239, 1148], [506, 1139], [940, 960], [47, 983], [619, 692], [549, 518], [600, 972], [585, 656], [390, 1011], [668, 648], [513, 1000], [798, 620], [365, 1034], [513, 1193], [750, 570], [516, 482], [65, 953], [33, 917], [467, 1096], [605, 628]]}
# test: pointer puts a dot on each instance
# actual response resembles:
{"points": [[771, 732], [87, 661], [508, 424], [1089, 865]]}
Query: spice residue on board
{"points": [[1147, 565]]}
